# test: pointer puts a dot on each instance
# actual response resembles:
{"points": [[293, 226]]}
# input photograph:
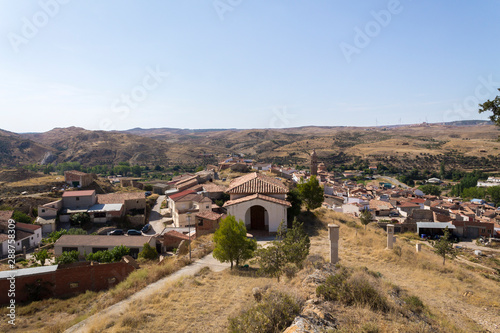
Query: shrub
{"points": [[68, 257], [148, 252], [414, 304], [349, 289], [272, 314]]}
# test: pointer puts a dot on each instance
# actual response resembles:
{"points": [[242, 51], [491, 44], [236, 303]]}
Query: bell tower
{"points": [[314, 163]]}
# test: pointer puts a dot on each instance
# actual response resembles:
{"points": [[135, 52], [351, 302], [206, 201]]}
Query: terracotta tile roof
{"points": [[176, 234], [380, 205], [187, 183], [211, 187], [408, 204], [190, 197], [68, 194], [209, 215], [180, 194], [418, 201], [27, 226], [257, 196], [5, 215], [257, 183], [116, 198]]}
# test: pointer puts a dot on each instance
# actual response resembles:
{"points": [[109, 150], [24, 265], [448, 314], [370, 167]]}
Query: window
{"points": [[77, 198], [200, 223], [31, 237], [73, 285], [99, 215], [43, 210], [207, 207], [69, 249], [111, 280]]}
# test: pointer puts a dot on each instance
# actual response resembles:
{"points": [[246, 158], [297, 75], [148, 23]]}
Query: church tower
{"points": [[314, 163]]}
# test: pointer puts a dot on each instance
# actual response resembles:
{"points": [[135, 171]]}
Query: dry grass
{"points": [[195, 304]]}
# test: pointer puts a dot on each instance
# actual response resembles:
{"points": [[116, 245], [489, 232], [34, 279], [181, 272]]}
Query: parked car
{"points": [[148, 193], [393, 214], [115, 232], [133, 232], [146, 228]]}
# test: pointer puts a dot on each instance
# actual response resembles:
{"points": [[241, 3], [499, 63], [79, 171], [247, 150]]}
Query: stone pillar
{"points": [[390, 236], [418, 247], [24, 251], [333, 236]]}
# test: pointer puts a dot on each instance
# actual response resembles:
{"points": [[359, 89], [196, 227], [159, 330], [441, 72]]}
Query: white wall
{"points": [[275, 213]]}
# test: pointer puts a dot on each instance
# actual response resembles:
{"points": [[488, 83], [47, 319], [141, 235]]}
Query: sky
{"points": [[121, 64]]}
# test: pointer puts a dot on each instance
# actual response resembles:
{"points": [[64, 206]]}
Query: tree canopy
{"points": [[494, 107], [365, 217], [444, 246], [311, 193], [231, 242]]}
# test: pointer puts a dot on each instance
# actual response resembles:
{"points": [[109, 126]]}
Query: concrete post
{"points": [[333, 236], [418, 247], [24, 251], [390, 236]]}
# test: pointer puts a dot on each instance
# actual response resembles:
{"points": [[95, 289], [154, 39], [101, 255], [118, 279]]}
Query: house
{"points": [[381, 208], [434, 181], [434, 228], [74, 202], [474, 229], [173, 238], [160, 188], [207, 222], [134, 207], [185, 204], [85, 244], [47, 216], [213, 191], [258, 200], [262, 166], [78, 178], [26, 235], [405, 208]]}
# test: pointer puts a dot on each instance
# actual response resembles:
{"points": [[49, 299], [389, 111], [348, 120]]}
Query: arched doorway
{"points": [[257, 218]]}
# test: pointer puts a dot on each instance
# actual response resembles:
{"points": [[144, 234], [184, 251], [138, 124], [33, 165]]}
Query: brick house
{"points": [[207, 222], [78, 178]]}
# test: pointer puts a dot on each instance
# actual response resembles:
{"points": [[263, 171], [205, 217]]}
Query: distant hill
{"points": [[463, 144]]}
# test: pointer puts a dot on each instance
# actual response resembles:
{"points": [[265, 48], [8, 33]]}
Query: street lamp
{"points": [[189, 232]]}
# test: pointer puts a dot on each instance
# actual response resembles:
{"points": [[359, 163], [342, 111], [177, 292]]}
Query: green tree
{"points": [[68, 257], [295, 199], [231, 242], [444, 246], [365, 217], [119, 252], [430, 189], [494, 193], [296, 244], [21, 217], [80, 219], [148, 252], [290, 247], [41, 256], [311, 193], [494, 107]]}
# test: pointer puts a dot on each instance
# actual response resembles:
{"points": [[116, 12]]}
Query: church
{"points": [[259, 201]]}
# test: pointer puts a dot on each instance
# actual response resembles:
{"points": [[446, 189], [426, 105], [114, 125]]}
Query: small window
{"points": [[43, 210], [77, 198], [112, 280], [207, 206], [200, 223], [73, 285], [31, 237]]}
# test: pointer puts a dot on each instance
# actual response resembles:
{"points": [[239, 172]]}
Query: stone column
{"points": [[418, 247], [333, 236], [390, 236]]}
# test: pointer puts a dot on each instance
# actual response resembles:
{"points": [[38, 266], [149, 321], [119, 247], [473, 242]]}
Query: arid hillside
{"points": [[465, 146]]}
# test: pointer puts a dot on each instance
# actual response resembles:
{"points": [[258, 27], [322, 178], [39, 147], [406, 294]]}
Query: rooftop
{"points": [[257, 183], [69, 194], [102, 241], [119, 198], [28, 271]]}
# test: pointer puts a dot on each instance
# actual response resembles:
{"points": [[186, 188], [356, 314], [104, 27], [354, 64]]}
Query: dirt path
{"points": [[119, 308]]}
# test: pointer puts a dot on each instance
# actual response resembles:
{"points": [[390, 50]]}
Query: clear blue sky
{"points": [[244, 63]]}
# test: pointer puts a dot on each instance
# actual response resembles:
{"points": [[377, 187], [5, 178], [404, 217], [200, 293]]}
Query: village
{"points": [[169, 215]]}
